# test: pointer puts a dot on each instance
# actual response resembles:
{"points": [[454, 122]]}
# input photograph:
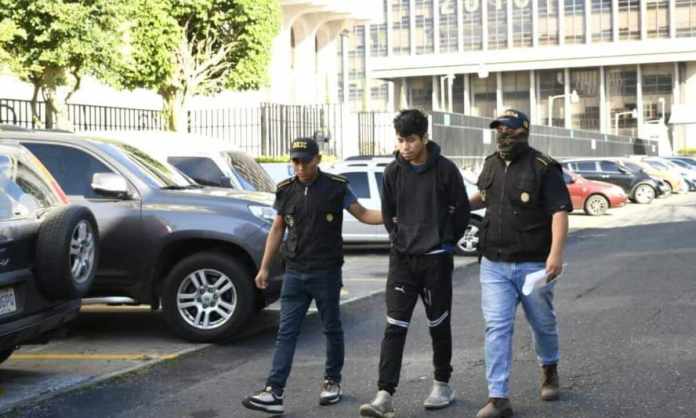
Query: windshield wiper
{"points": [[180, 187]]}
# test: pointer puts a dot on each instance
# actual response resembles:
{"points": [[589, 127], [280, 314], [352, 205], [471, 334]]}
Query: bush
{"points": [[687, 151]]}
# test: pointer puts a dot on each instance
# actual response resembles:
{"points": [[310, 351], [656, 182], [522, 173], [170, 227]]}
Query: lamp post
{"points": [[633, 113], [574, 98]]}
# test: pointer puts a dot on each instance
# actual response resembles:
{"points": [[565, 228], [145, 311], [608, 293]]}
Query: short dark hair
{"points": [[411, 121]]}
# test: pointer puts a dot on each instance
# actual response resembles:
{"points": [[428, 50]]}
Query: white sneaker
{"points": [[265, 400], [380, 407], [441, 396], [330, 393]]}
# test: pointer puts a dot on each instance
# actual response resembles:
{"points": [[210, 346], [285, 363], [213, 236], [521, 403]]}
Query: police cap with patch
{"points": [[513, 119], [303, 149]]}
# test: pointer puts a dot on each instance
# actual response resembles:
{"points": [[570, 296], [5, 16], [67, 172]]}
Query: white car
{"points": [[366, 175], [206, 160]]}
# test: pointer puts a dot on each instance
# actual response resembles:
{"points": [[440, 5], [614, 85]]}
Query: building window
{"points": [[522, 23], [401, 29], [378, 96], [657, 84], [516, 91], [497, 24], [657, 18], [471, 12], [685, 18], [629, 19], [484, 96], [341, 71], [378, 35], [421, 93], [601, 21], [424, 27], [458, 93], [622, 85], [448, 26], [585, 113], [574, 21], [356, 67], [548, 22], [550, 83]]}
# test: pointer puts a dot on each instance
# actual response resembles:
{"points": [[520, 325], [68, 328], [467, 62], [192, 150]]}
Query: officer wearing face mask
{"points": [[525, 230]]}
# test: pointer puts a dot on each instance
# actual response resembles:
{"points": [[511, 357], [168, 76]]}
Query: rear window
{"points": [[23, 191], [359, 184], [203, 170], [586, 166], [249, 173]]}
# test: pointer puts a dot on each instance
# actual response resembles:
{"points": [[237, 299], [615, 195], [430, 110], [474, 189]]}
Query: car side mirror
{"points": [[623, 170], [110, 184]]}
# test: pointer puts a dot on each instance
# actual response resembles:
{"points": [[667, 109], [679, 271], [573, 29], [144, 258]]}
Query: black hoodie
{"points": [[425, 209]]}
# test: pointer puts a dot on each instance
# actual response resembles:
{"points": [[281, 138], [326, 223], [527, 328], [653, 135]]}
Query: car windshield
{"points": [[250, 174], [163, 174], [632, 166], [657, 165]]}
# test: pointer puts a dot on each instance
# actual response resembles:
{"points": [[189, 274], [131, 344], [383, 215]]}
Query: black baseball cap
{"points": [[511, 118], [303, 149]]}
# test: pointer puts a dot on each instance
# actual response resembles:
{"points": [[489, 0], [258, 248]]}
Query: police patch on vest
{"points": [[524, 197], [329, 217], [290, 220]]}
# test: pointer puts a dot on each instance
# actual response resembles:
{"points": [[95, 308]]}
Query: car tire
{"points": [[468, 243], [210, 311], [644, 194], [596, 205], [67, 253], [5, 354]]}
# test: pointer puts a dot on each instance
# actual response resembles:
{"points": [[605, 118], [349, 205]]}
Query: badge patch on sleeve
{"points": [[483, 195], [329, 217], [524, 197]]}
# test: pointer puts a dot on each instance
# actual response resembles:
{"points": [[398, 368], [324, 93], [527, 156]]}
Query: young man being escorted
{"points": [[426, 210]]}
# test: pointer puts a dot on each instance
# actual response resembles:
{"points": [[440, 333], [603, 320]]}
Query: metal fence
{"points": [[82, 117]]}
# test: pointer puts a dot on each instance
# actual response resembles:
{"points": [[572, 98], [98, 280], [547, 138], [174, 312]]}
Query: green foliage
{"points": [[8, 31], [687, 151]]}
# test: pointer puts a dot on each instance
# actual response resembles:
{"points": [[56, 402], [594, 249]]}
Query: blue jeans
{"points": [[501, 292], [295, 297]]}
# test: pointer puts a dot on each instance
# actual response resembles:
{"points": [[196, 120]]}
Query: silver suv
{"points": [[190, 250]]}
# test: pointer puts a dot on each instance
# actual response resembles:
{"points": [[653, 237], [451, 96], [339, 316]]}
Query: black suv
{"points": [[190, 250], [638, 185], [48, 251]]}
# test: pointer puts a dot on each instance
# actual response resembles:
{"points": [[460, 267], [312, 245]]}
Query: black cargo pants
{"points": [[430, 277]]}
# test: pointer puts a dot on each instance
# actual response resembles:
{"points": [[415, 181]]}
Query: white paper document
{"points": [[537, 279]]}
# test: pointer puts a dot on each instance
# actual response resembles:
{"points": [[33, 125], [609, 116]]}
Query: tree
{"points": [[8, 30], [184, 48], [63, 40]]}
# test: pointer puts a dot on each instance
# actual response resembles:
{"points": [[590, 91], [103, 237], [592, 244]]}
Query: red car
{"points": [[594, 197]]}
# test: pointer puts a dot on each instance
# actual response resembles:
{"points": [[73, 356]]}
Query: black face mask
{"points": [[511, 146]]}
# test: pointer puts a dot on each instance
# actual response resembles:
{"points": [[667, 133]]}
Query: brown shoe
{"points": [[496, 408], [549, 384]]}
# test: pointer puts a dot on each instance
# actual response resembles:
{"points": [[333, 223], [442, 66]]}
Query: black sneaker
{"points": [[265, 400], [330, 393]]}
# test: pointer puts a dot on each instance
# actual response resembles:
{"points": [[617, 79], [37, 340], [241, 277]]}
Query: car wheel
{"points": [[67, 253], [643, 194], [468, 243], [208, 297], [596, 205], [5, 354]]}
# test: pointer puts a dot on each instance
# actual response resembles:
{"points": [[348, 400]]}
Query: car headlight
{"points": [[265, 213]]}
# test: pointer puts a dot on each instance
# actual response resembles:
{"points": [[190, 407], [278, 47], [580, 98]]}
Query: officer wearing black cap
{"points": [[310, 207], [524, 231]]}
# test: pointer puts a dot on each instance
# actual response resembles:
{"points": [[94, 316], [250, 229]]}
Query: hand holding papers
{"points": [[537, 279]]}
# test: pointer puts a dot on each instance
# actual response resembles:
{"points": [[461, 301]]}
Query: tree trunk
{"points": [[174, 111], [56, 116], [36, 121]]}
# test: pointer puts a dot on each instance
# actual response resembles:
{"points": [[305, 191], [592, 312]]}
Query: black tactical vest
{"points": [[313, 214], [516, 227]]}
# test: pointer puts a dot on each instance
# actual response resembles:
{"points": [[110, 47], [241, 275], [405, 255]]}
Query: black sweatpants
{"points": [[430, 277]]}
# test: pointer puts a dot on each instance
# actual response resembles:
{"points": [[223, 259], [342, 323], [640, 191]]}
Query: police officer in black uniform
{"points": [[524, 231], [310, 206]]}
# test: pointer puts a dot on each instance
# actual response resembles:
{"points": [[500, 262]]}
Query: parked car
{"points": [[594, 197], [638, 185], [687, 175], [366, 176], [190, 250], [663, 189], [48, 251], [691, 161], [663, 171], [208, 161], [688, 172]]}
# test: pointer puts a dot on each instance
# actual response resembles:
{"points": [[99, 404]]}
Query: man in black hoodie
{"points": [[425, 210]]}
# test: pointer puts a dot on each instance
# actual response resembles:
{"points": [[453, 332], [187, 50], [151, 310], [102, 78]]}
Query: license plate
{"points": [[8, 302]]}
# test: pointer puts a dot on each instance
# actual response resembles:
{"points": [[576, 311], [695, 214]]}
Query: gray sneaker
{"points": [[380, 407], [330, 393], [440, 397]]}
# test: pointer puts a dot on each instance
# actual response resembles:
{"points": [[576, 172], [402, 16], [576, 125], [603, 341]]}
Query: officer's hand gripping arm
{"points": [[364, 215]]}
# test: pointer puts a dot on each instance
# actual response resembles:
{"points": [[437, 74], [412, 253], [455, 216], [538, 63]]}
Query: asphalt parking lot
{"points": [[106, 341]]}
